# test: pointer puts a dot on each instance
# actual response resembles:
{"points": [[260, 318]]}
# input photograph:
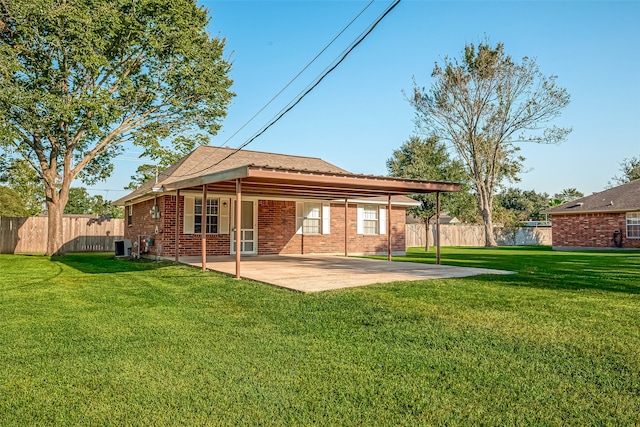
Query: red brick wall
{"points": [[277, 227], [143, 226], [281, 216], [190, 244], [276, 231], [590, 230]]}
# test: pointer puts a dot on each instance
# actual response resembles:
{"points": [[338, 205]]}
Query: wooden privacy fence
{"points": [[473, 235], [80, 233]]}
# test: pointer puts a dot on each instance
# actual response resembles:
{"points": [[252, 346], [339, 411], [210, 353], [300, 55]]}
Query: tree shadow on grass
{"points": [[543, 268], [36, 277], [105, 263], [561, 282]]}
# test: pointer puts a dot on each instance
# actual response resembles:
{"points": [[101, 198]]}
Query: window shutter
{"points": [[326, 218], [359, 223], [299, 217], [382, 220], [223, 205], [188, 215]]}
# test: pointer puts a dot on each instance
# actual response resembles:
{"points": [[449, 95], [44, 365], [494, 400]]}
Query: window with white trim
{"points": [[371, 219], [312, 221], [130, 215], [212, 218], [313, 218], [633, 225], [210, 215]]}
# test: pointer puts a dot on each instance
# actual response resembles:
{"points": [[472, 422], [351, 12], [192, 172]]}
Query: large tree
{"points": [[428, 158], [483, 104], [80, 78]]}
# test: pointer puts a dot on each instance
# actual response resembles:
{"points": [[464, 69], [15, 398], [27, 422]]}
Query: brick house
{"points": [[609, 219], [288, 205]]}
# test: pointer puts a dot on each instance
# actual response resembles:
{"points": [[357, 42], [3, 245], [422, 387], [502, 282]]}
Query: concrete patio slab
{"points": [[307, 273]]}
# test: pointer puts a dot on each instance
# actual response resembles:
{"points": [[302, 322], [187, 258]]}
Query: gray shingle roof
{"points": [[207, 159], [624, 198]]}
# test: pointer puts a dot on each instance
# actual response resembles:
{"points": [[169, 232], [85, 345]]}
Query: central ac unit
{"points": [[123, 247]]}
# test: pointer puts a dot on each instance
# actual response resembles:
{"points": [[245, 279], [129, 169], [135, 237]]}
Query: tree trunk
{"points": [[55, 245], [56, 202], [489, 238], [484, 205]]}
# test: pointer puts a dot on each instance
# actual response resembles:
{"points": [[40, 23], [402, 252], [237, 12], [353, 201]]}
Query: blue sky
{"points": [[358, 115]]}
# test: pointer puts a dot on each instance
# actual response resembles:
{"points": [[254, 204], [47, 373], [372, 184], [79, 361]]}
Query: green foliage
{"points": [[90, 340], [428, 159], [566, 195], [18, 175], [80, 202], [482, 105], [523, 205], [164, 156], [630, 169], [80, 78], [11, 203]]}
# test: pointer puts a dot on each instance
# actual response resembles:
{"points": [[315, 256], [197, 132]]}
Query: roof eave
{"points": [[393, 185], [336, 184], [123, 201], [592, 211], [226, 175]]}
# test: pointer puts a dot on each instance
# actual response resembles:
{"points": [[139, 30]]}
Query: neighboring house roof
{"points": [[623, 198], [218, 167]]}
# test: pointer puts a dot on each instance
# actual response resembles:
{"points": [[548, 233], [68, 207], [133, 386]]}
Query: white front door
{"points": [[248, 228]]}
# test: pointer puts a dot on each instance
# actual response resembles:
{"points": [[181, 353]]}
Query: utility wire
{"points": [[311, 87], [287, 85], [315, 84], [299, 74]]}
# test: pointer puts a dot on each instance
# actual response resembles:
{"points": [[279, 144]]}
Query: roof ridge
{"points": [[262, 152]]}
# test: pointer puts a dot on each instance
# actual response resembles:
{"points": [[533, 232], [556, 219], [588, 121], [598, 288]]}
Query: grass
{"points": [[90, 340]]}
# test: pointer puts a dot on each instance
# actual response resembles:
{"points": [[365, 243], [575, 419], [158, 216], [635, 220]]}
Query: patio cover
{"points": [[325, 182], [257, 180], [260, 180]]}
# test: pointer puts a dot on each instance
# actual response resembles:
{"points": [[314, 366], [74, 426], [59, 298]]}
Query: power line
{"points": [[281, 90], [299, 74], [130, 159], [315, 84], [305, 92]]}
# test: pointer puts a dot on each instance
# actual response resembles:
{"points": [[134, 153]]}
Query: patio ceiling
{"points": [[320, 185]]}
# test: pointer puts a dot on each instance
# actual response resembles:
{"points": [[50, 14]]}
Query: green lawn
{"points": [[90, 340]]}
